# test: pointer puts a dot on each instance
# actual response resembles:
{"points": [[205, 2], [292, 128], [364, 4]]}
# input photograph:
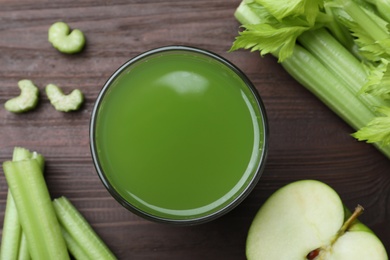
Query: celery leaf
{"points": [[371, 32], [280, 9], [377, 130], [378, 82], [268, 39]]}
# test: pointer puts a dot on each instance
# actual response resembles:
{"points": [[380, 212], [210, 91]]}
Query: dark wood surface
{"points": [[307, 141]]}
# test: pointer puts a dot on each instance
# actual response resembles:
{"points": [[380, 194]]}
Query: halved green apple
{"points": [[307, 220]]}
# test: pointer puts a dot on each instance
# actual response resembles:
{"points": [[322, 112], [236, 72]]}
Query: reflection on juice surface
{"points": [[179, 136]]}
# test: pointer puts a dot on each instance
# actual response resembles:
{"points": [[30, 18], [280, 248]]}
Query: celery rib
{"points": [[35, 209], [364, 20], [79, 229], [74, 248], [11, 231], [323, 84], [23, 254], [12, 237], [334, 56], [383, 7], [341, 63]]}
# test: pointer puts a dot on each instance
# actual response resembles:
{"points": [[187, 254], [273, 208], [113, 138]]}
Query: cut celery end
{"points": [[20, 154]]}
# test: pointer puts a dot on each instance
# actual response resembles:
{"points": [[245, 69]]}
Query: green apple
{"points": [[307, 220]]}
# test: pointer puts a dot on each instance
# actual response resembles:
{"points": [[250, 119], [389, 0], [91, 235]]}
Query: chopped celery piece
{"points": [[62, 102], [27, 100], [65, 40], [80, 230], [35, 209]]}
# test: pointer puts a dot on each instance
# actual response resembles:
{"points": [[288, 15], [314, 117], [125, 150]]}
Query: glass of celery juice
{"points": [[179, 135]]}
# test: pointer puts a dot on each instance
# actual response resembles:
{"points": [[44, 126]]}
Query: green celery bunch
{"points": [[338, 49]]}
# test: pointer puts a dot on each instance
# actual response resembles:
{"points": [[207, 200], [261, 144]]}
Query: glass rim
{"points": [[252, 182]]}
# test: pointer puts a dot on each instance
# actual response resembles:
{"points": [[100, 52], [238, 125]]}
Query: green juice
{"points": [[178, 135]]}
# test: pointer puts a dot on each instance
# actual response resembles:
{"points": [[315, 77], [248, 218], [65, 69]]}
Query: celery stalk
{"points": [[245, 15], [35, 209], [74, 248], [23, 254], [335, 57], [80, 230], [383, 7], [328, 88], [365, 21], [341, 63], [12, 232]]}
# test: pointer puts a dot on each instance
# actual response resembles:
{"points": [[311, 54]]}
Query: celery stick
{"points": [[74, 248], [335, 57], [80, 230], [383, 7], [368, 24], [329, 89], [245, 15], [341, 63], [23, 254], [35, 209], [12, 232], [18, 155], [340, 32]]}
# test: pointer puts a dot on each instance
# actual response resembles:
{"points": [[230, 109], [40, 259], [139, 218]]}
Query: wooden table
{"points": [[307, 141]]}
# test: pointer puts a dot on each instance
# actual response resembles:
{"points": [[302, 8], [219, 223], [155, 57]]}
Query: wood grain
{"points": [[307, 141]]}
